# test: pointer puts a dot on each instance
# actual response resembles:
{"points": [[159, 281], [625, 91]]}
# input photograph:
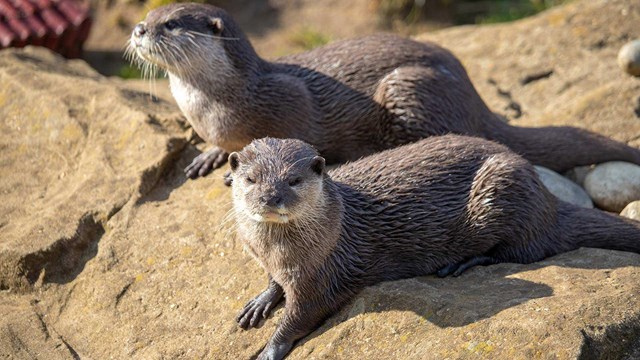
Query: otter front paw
{"points": [[275, 351], [205, 162], [259, 308], [228, 179]]}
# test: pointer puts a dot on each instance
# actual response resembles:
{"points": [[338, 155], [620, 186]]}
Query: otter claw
{"points": [[259, 308], [205, 162], [228, 180], [254, 312]]}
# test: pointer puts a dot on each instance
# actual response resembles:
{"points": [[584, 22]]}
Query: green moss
{"points": [[130, 72], [308, 38], [152, 4], [460, 11], [505, 10]]}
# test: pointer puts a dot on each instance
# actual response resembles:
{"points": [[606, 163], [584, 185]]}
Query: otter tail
{"points": [[598, 229], [562, 148]]}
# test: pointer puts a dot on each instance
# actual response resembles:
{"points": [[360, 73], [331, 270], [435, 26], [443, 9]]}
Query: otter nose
{"points": [[271, 200], [139, 30]]}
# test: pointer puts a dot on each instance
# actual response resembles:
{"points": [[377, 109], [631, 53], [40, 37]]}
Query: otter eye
{"points": [[294, 182], [171, 24], [251, 180]]}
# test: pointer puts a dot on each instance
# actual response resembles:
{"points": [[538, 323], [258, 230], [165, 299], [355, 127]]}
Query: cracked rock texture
{"points": [[107, 251]]}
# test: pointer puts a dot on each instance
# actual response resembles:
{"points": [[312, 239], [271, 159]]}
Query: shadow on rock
{"points": [[65, 259], [619, 341], [483, 292], [174, 177]]}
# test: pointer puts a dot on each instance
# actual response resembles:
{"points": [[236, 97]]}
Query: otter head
{"points": [[184, 39], [277, 181]]}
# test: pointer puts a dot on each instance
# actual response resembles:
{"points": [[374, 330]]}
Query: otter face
{"points": [[277, 181], [179, 38]]}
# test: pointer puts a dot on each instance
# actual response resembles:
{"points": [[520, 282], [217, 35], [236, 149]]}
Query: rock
{"points": [[20, 316], [578, 174], [107, 251], [632, 211], [578, 41], [629, 58], [563, 188], [613, 185], [76, 149]]}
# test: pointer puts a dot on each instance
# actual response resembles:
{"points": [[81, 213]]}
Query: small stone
{"points": [[578, 174], [563, 188], [632, 211], [613, 185], [629, 58]]}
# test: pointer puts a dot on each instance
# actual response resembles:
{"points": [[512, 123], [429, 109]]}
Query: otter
{"points": [[459, 202], [349, 99]]}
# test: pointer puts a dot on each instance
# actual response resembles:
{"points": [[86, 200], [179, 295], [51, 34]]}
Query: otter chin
{"points": [[271, 217]]}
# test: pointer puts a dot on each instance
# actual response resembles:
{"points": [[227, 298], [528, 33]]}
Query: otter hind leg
{"points": [[456, 269], [424, 101], [260, 307], [206, 162]]}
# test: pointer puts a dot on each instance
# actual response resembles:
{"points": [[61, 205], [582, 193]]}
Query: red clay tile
{"points": [[6, 36], [71, 12], [7, 10], [19, 28], [61, 25], [25, 7]]}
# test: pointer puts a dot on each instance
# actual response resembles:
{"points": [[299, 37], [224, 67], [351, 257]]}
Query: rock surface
{"points": [[107, 251], [632, 211], [629, 58], [563, 188], [613, 185]]}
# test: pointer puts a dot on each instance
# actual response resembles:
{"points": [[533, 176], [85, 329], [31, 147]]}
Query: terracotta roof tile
{"points": [[61, 25]]}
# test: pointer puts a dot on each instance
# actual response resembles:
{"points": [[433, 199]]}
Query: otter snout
{"points": [[139, 30], [272, 209], [271, 201], [137, 35]]}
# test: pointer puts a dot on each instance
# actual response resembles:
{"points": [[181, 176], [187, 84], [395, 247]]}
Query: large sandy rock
{"points": [[556, 68], [76, 149], [107, 251]]}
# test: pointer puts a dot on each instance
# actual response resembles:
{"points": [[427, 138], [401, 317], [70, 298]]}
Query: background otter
{"points": [[460, 202], [349, 99]]}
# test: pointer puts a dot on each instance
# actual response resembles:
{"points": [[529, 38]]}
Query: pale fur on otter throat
{"points": [[349, 99]]}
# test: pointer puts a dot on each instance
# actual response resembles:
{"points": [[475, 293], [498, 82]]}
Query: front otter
{"points": [[442, 204], [349, 99]]}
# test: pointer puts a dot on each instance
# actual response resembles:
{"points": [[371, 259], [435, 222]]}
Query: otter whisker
{"points": [[164, 52], [184, 56], [210, 36], [179, 65], [228, 218], [194, 43]]}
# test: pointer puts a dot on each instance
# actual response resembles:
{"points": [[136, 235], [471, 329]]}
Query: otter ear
{"points": [[233, 161], [317, 165], [216, 26]]}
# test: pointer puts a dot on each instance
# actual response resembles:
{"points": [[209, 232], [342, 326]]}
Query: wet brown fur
{"points": [[440, 204], [349, 99]]}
